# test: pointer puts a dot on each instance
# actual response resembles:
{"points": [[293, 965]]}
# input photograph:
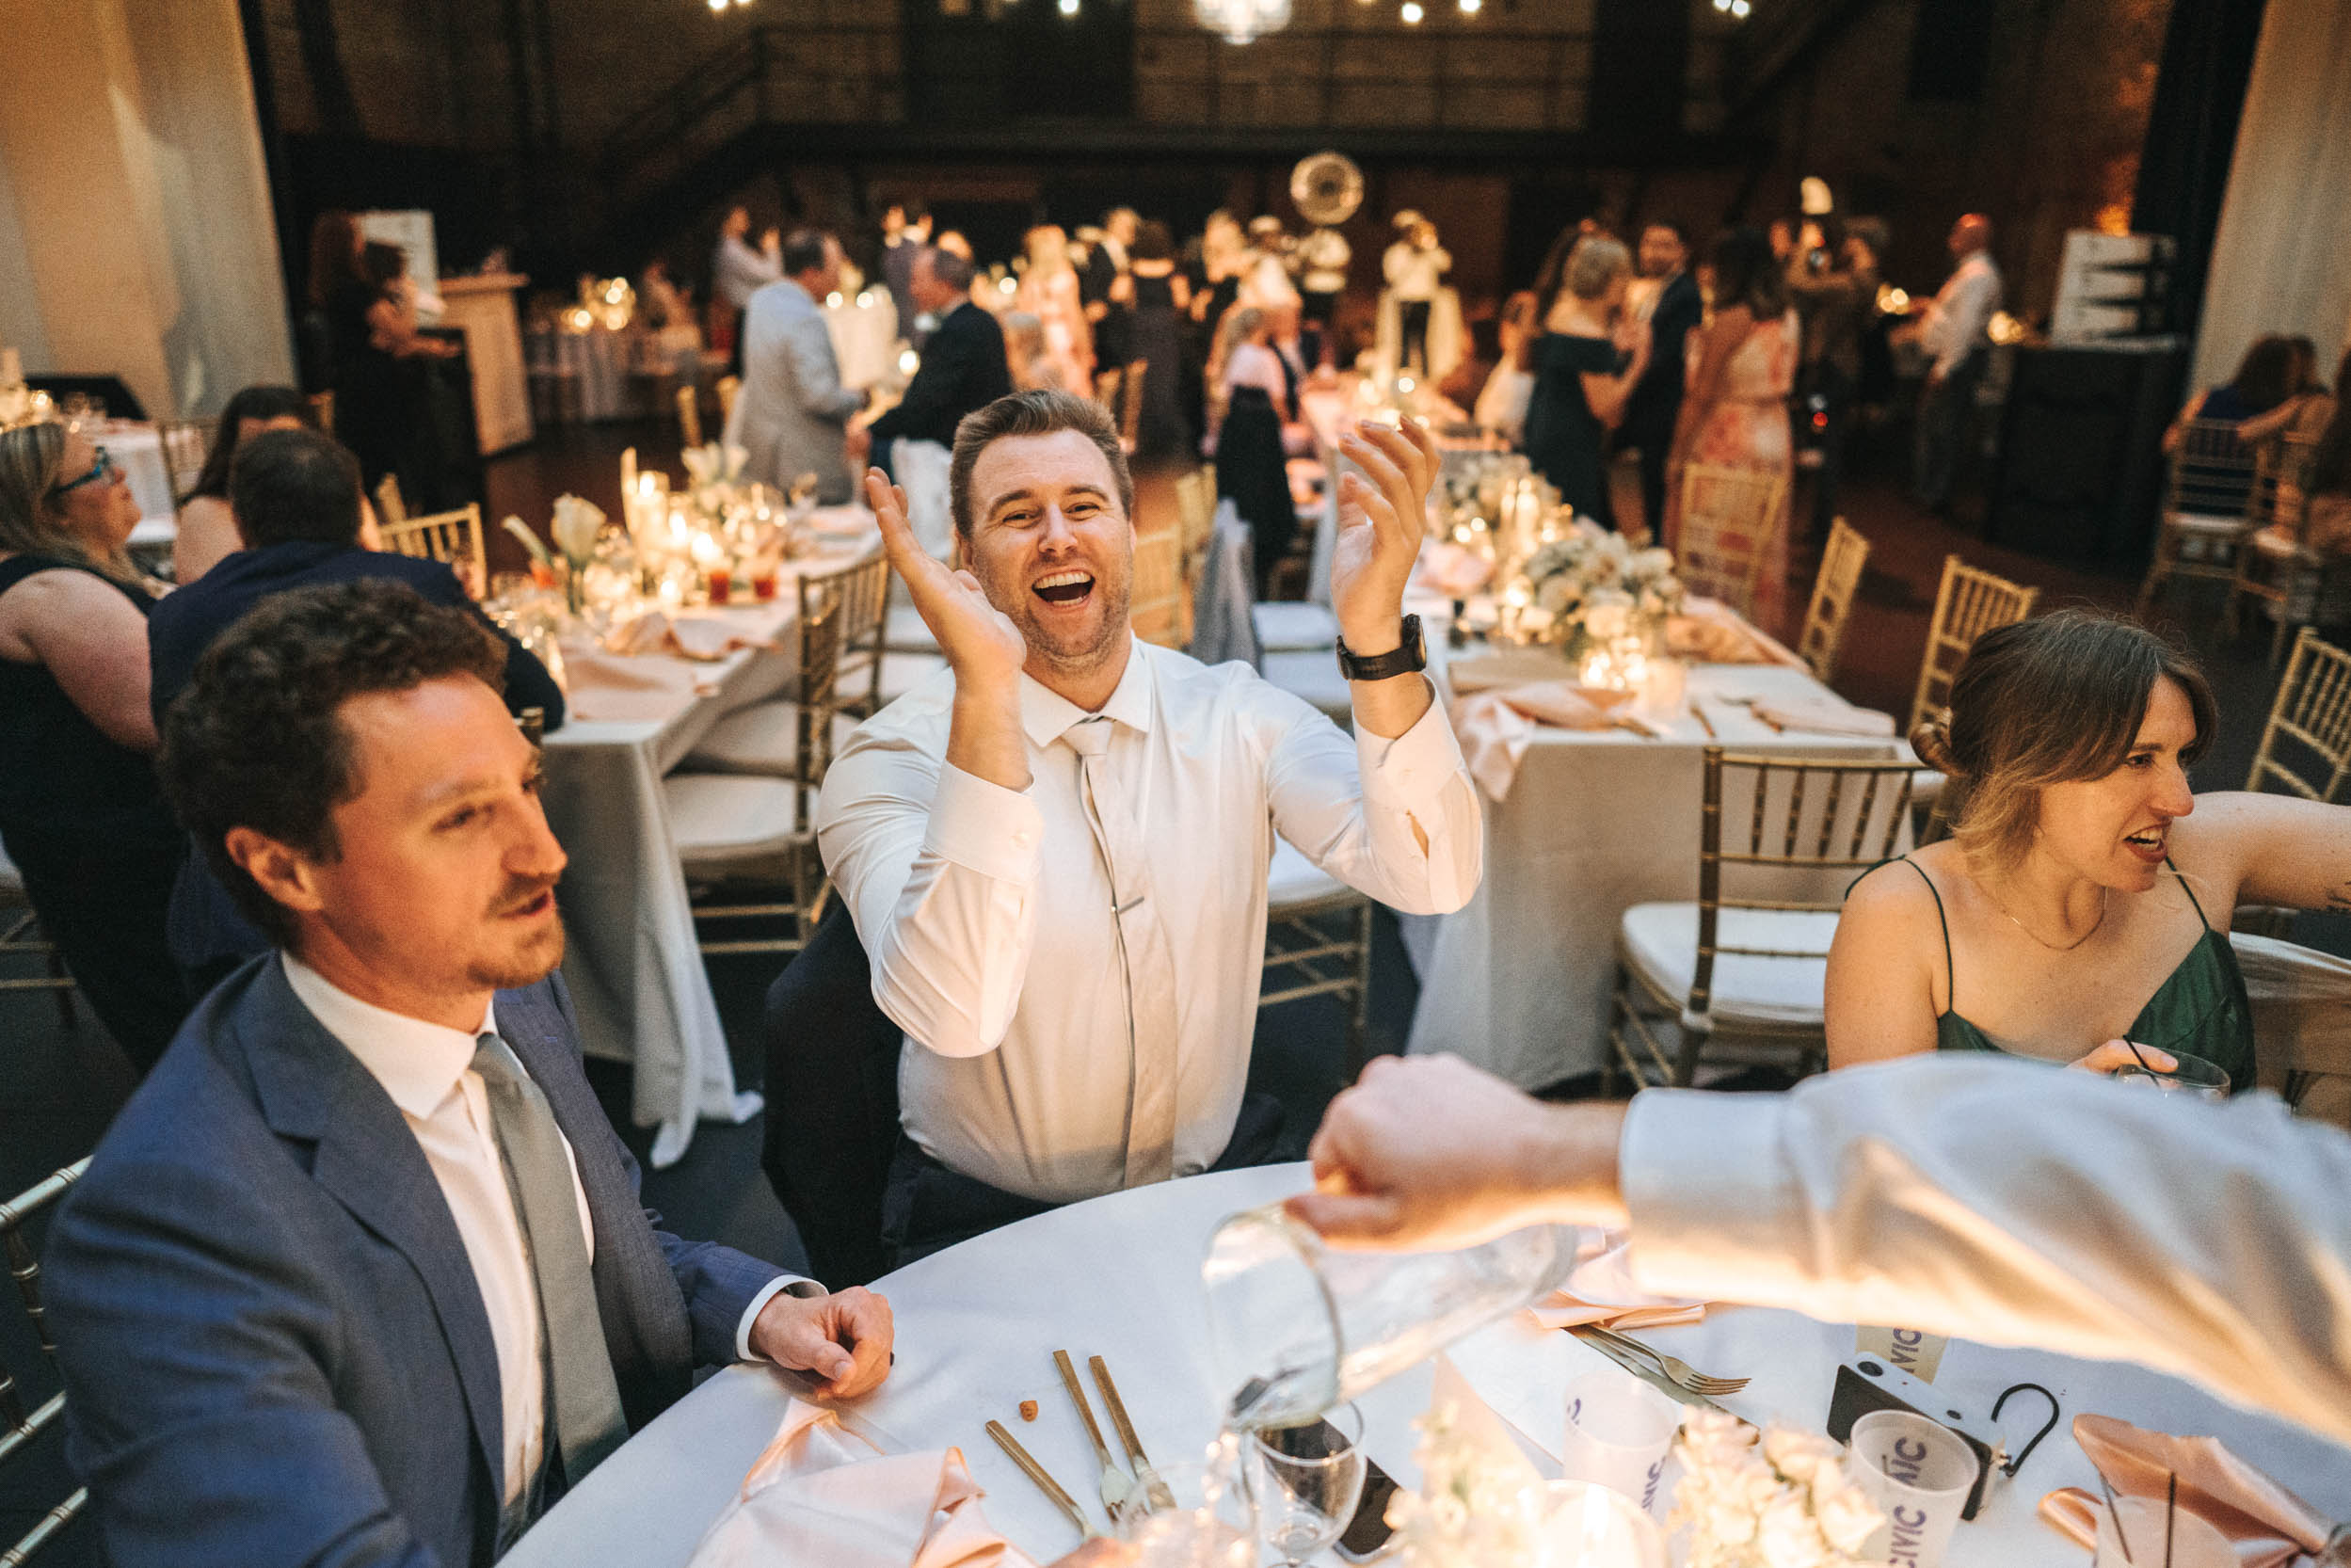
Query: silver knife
{"points": [[1647, 1374]]}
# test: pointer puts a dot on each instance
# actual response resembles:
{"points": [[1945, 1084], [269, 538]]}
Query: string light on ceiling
{"points": [[1241, 21], [1471, 7], [1412, 13], [718, 7], [1737, 10]]}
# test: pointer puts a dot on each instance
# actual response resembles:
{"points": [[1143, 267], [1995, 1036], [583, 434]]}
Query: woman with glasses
{"points": [[81, 814]]}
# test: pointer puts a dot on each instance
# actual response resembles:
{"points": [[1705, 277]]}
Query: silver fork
{"points": [[1671, 1367]]}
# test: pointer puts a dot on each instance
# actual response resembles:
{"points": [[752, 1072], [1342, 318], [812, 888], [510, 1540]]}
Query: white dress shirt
{"points": [[2015, 1203], [1414, 271], [1959, 317], [429, 1072], [1024, 1070], [740, 269]]}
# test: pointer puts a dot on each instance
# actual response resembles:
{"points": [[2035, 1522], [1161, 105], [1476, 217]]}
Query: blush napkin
{"points": [[611, 686], [1496, 726], [1601, 1291], [821, 1494], [2268, 1525]]}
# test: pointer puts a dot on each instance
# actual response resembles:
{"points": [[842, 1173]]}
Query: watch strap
{"points": [[1409, 656]]}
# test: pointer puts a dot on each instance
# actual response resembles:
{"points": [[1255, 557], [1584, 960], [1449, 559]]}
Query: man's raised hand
{"points": [[1383, 516], [980, 641]]}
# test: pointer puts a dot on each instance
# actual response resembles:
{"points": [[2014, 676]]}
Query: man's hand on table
{"points": [[1427, 1152], [1383, 516], [844, 1338]]}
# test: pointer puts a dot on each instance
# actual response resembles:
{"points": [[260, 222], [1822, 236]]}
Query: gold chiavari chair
{"points": [[1196, 516], [2204, 508], [1157, 613], [1969, 603], [2301, 1001], [21, 937], [728, 387], [1832, 605], [19, 1426], [1318, 943], [690, 416], [186, 443], [2305, 750], [2274, 567], [390, 505], [454, 539], [1729, 518], [1739, 973], [1131, 409]]}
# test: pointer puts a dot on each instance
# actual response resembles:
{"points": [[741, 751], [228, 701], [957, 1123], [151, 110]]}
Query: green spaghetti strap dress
{"points": [[2200, 1008]]}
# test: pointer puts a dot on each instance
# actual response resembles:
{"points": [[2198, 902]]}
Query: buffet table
{"points": [[633, 963], [1119, 1277]]}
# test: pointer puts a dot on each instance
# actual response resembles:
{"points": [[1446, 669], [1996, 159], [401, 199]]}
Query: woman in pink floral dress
{"points": [[1735, 413], [1049, 290]]}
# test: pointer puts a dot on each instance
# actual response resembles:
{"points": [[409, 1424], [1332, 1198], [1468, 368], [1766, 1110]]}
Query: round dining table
{"points": [[1119, 1277]]}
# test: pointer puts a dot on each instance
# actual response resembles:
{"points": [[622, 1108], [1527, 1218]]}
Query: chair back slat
{"points": [[728, 387], [454, 539], [1156, 613], [186, 443], [690, 416], [1131, 409], [1969, 603], [2211, 470], [390, 507], [839, 612], [1823, 639], [19, 1425], [2313, 711], [1729, 520]]}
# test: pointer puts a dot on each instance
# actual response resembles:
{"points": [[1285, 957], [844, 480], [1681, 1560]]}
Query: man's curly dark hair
{"points": [[256, 739]]}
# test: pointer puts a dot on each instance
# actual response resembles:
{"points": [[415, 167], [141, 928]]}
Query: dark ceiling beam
{"points": [[1799, 29]]}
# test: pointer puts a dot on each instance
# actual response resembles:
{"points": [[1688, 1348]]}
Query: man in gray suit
{"points": [[793, 413], [360, 1275]]}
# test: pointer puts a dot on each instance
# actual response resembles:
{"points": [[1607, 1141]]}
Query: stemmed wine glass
{"points": [[1306, 1482]]}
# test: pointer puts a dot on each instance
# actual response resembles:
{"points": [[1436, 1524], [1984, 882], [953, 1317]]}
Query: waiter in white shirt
{"points": [[1056, 851], [1955, 336]]}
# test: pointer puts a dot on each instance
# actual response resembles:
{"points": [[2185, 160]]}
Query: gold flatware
{"points": [[1155, 1491], [1642, 1371], [1115, 1484], [1704, 723], [1045, 1484]]}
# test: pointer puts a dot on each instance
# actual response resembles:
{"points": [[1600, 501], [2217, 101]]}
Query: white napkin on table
{"points": [[821, 1494], [612, 686], [1601, 1291], [1496, 726], [1822, 715], [704, 638]]}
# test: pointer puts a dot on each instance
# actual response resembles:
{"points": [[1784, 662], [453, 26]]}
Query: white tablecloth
{"points": [[633, 963], [1119, 1277], [1519, 981]]}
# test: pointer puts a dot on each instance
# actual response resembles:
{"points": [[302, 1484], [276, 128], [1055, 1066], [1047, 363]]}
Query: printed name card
{"points": [[1907, 1349]]}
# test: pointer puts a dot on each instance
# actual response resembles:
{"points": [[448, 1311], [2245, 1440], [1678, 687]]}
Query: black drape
{"points": [[2191, 135]]}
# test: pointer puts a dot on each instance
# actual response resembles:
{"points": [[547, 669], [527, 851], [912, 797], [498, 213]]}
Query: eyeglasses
{"points": [[100, 471]]}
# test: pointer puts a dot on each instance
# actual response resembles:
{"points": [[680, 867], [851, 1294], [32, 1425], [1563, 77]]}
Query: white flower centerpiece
{"points": [[1601, 600], [1782, 1498]]}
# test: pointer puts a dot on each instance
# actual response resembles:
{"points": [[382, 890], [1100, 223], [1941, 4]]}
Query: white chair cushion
{"points": [[903, 672], [907, 630], [1285, 626], [1292, 880], [721, 819], [1659, 942], [764, 738], [2210, 524], [1313, 676]]}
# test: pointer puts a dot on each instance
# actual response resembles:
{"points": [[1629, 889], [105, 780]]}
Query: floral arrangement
{"points": [[1589, 580], [1481, 1504], [1784, 1501]]}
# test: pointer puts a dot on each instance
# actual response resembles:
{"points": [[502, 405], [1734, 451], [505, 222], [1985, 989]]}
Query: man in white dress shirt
{"points": [[1056, 851], [2005, 1202], [739, 269], [1955, 334], [359, 1272]]}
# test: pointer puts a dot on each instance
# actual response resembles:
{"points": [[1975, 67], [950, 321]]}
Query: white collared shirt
{"points": [[986, 911], [1959, 320], [427, 1070]]}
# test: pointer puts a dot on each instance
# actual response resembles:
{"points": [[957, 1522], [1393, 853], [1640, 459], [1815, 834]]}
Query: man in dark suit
{"points": [[360, 1273], [1656, 400], [296, 494], [963, 365]]}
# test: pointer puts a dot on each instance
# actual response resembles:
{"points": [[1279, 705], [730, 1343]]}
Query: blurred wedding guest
{"points": [[1414, 267], [963, 366], [208, 529], [1031, 368], [384, 397], [2080, 911], [1056, 852], [1252, 462], [1501, 405], [1995, 1201], [2306, 410], [793, 413], [1157, 298], [1673, 307], [1107, 264], [1586, 363], [2268, 377], [1049, 290], [361, 1274], [1956, 335], [80, 811], [739, 269], [2327, 483], [1836, 291], [905, 235], [1735, 398]]}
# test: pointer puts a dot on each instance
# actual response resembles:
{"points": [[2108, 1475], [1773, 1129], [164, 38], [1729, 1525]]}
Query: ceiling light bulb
{"points": [[1471, 7], [1069, 8], [1412, 13], [718, 5]]}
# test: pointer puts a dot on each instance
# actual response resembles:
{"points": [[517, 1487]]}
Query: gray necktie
{"points": [[582, 1399], [1144, 953]]}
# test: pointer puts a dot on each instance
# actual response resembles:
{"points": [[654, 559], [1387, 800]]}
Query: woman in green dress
{"points": [[2079, 913]]}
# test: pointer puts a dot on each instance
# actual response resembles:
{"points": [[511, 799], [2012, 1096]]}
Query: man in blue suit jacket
{"points": [[329, 1292], [296, 494]]}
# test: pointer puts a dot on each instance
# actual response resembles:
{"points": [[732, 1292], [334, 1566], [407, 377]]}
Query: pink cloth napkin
{"points": [[2269, 1526], [1822, 715], [614, 686], [1708, 632], [704, 638], [1601, 1291], [1496, 726], [824, 1495]]}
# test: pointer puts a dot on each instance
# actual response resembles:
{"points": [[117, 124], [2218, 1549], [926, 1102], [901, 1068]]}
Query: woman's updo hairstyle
{"points": [[2047, 702]]}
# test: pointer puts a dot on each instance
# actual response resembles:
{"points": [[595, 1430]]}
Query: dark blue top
{"points": [[184, 624], [1563, 435], [60, 774]]}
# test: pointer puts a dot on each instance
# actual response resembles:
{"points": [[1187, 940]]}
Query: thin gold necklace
{"points": [[2103, 893]]}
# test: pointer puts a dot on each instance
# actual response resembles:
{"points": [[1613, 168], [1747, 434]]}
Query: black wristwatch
{"points": [[1406, 658]]}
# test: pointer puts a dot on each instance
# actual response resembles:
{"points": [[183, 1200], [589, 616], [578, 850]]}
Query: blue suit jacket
{"points": [[273, 1345]]}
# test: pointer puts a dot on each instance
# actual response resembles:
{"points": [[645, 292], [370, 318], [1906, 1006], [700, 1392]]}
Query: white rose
{"points": [[1847, 1518]]}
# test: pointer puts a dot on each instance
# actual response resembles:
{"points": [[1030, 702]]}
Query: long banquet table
{"points": [[633, 963], [1119, 1277]]}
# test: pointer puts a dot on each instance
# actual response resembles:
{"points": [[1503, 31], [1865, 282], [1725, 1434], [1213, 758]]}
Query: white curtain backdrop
{"points": [[2282, 260]]}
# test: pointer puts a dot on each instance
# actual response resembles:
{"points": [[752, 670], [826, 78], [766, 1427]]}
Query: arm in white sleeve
{"points": [[2011, 1203], [1351, 804], [939, 870]]}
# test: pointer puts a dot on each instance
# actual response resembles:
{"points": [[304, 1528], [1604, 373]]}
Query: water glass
{"points": [[1210, 1527], [1919, 1472], [2183, 1541], [2193, 1076], [1306, 1482], [1620, 1431]]}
